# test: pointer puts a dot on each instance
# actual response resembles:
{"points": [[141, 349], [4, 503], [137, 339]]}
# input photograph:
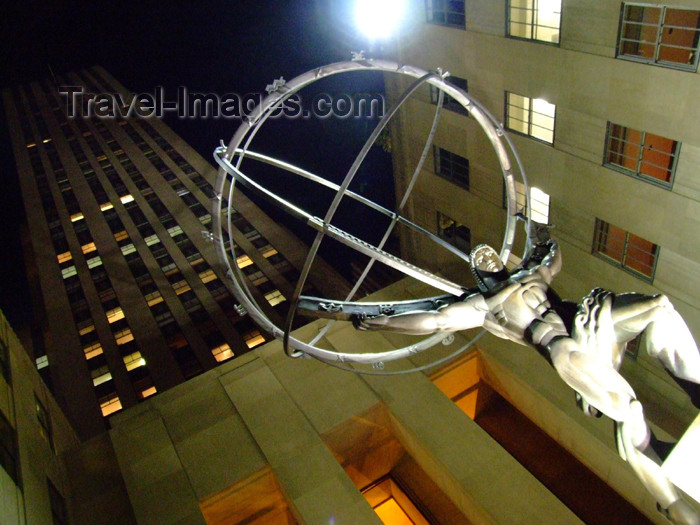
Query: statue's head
{"points": [[488, 268]]}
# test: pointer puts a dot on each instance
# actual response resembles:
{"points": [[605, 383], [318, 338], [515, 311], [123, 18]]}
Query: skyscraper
{"points": [[127, 294]]}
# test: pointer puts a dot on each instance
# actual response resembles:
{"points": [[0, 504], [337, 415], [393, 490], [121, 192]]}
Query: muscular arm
{"points": [[466, 314]]}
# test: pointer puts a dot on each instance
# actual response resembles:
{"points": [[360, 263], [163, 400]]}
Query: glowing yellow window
{"points": [[134, 360], [120, 236], [268, 251], [115, 314], [148, 392], [123, 336], [253, 339], [243, 261], [110, 406], [76, 217], [106, 206], [208, 276], [86, 329], [126, 198], [31, 144], [392, 505], [275, 297], [154, 298], [92, 350], [181, 287], [89, 247], [63, 257], [222, 352]]}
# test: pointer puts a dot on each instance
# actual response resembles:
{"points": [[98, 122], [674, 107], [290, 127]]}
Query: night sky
{"points": [[210, 47]]}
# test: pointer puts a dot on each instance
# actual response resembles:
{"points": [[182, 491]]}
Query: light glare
{"points": [[378, 19]]}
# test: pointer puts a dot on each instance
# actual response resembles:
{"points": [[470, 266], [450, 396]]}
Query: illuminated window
{"points": [[134, 360], [208, 276], [181, 287], [539, 202], [205, 219], [625, 249], [92, 350], [127, 249], [94, 262], [42, 362], [656, 34], [106, 206], [452, 167], [456, 234], [268, 251], [63, 257], [175, 231], [120, 236], [148, 392], [89, 247], [69, 272], [123, 336], [100, 375], [114, 315], [86, 329], [243, 261], [275, 297], [151, 240], [532, 117], [110, 404], [76, 217], [392, 505], [154, 298], [125, 199], [253, 339], [445, 13], [31, 145], [222, 352], [641, 154], [447, 101], [534, 20]]}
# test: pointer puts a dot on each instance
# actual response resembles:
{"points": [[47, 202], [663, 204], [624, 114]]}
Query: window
{"points": [[539, 202], [448, 102], [110, 404], [625, 249], [222, 352], [641, 154], [661, 35], [5, 359], [532, 117], [275, 297], [9, 452], [534, 20], [445, 13], [452, 167], [391, 504], [253, 338], [59, 514], [456, 234], [42, 415]]}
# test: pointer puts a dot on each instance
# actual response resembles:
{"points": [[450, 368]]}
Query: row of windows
{"points": [[648, 33]]}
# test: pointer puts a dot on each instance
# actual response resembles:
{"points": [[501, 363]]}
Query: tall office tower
{"points": [[129, 298]]}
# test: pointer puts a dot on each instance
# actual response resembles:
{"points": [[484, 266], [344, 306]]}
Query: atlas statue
{"points": [[584, 342]]}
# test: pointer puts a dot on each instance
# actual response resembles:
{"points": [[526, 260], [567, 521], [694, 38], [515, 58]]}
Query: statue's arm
{"points": [[469, 313]]}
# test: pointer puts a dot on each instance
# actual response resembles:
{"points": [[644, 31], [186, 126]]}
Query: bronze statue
{"points": [[584, 342]]}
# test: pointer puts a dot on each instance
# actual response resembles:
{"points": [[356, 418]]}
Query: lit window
{"points": [[31, 145], [205, 219], [222, 352], [253, 339], [148, 392], [134, 360], [92, 350], [447, 101], [445, 13], [42, 362], [125, 199], [175, 231], [151, 240], [120, 236], [154, 298], [123, 336], [641, 154], [451, 166], [268, 251], [127, 249], [456, 234], [275, 297], [392, 504], [208, 276], [101, 375], [76, 217], [657, 34], [114, 315], [110, 405], [69, 272], [243, 261], [532, 117], [106, 206], [89, 247], [86, 329], [94, 262], [181, 287], [63, 257], [625, 249], [539, 202], [534, 20]]}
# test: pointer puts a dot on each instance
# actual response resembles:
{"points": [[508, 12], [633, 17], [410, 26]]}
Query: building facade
{"points": [[128, 297]]}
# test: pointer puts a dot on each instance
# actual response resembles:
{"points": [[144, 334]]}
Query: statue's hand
{"points": [[367, 322]]}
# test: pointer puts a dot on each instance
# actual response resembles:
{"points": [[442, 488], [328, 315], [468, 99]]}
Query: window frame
{"points": [[531, 24], [640, 157], [600, 239], [458, 227], [430, 11], [448, 102], [530, 111], [449, 172], [658, 42]]}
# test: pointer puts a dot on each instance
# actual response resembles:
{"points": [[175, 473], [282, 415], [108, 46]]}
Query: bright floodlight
{"points": [[377, 19]]}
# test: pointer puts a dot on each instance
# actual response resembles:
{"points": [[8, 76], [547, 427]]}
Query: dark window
{"points": [[445, 13], [448, 102], [452, 167]]}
